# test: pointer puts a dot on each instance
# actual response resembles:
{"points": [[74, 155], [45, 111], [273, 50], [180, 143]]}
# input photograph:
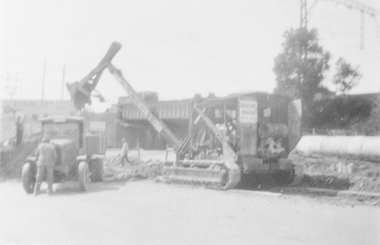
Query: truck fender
{"points": [[81, 158], [31, 159], [97, 157], [33, 164]]}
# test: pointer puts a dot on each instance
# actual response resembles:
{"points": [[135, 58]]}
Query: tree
{"points": [[346, 76], [340, 112], [371, 125], [301, 67]]}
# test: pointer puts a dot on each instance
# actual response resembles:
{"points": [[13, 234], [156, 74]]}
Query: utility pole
{"points": [[362, 22], [305, 14], [364, 9], [10, 87], [43, 81], [16, 81], [63, 82], [303, 46], [303, 20]]}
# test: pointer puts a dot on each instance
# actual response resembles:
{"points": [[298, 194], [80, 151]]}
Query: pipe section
{"points": [[361, 147]]}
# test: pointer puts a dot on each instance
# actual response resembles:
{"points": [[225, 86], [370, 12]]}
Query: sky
{"points": [[176, 48]]}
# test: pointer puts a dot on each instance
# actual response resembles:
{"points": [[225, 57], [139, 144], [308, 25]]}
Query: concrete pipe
{"points": [[362, 147]]}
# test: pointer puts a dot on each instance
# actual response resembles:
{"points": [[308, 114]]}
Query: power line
{"points": [[364, 9], [312, 8]]}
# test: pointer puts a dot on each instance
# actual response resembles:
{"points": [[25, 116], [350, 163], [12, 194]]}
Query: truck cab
{"points": [[79, 155]]}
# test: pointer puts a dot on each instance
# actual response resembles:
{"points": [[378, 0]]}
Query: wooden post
{"points": [[43, 81], [63, 82], [167, 153]]}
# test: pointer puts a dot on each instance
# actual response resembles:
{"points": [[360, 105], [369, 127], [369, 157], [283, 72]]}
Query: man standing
{"points": [[19, 131], [47, 157], [124, 151]]}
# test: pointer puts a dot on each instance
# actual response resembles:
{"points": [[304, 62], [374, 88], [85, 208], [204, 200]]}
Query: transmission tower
{"points": [[305, 14], [303, 20], [350, 4], [364, 10]]}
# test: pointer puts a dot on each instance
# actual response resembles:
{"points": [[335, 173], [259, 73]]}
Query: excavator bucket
{"points": [[80, 92]]}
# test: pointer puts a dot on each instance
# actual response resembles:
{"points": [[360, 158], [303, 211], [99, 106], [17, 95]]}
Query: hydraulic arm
{"points": [[81, 92]]}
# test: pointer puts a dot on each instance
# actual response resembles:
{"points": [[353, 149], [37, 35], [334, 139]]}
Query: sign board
{"points": [[267, 112], [97, 126], [248, 111]]}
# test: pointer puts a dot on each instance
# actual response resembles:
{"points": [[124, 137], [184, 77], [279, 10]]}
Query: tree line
{"points": [[301, 70]]}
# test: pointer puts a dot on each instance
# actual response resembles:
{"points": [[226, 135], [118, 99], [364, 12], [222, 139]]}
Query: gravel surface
{"points": [[145, 212], [338, 173]]}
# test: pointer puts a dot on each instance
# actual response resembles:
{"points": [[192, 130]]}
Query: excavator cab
{"points": [[256, 131]]}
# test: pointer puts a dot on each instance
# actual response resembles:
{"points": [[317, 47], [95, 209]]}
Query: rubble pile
{"points": [[332, 172], [326, 182], [114, 171], [369, 182], [12, 159]]}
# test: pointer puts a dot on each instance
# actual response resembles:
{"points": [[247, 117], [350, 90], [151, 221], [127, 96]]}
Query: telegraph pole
{"points": [[303, 20], [63, 82], [305, 14], [43, 81], [16, 81], [364, 9], [302, 47], [10, 87]]}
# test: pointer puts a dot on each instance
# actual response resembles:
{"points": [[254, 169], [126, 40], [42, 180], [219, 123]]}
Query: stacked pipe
{"points": [[361, 147]]}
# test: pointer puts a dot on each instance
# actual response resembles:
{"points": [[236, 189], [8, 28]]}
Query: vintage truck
{"points": [[79, 154]]}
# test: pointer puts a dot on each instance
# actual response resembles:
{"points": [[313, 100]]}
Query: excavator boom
{"points": [[157, 124], [81, 92]]}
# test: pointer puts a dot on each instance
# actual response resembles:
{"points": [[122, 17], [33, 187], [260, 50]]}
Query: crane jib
{"points": [[157, 124]]}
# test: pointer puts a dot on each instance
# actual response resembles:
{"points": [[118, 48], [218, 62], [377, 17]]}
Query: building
{"points": [[27, 112], [105, 122], [132, 125]]}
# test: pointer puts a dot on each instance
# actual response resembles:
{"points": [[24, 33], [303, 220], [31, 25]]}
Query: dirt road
{"points": [[144, 212]]}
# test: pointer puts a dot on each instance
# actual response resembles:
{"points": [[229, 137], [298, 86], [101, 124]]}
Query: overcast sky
{"points": [[173, 47]]}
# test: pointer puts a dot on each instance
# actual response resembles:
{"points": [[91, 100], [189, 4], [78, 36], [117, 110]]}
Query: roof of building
{"points": [[66, 119]]}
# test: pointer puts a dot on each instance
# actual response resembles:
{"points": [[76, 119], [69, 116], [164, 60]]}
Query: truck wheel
{"points": [[83, 176], [96, 168], [28, 178]]}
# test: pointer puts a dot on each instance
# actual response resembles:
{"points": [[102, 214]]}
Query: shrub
{"points": [[338, 113]]}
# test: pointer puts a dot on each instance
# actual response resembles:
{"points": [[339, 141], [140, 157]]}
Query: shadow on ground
{"points": [[72, 188], [309, 186]]}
